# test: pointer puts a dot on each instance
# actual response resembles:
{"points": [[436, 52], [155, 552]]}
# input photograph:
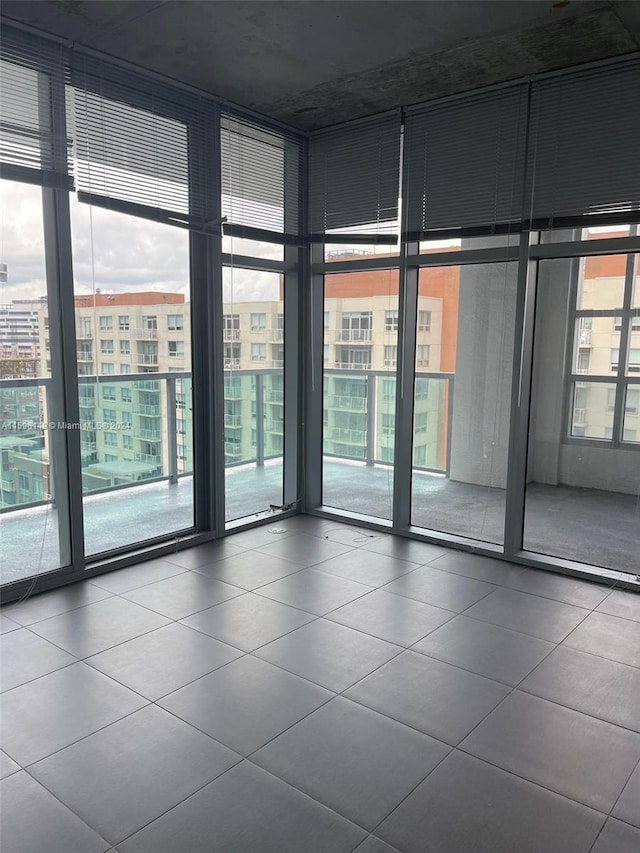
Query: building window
{"points": [[176, 349], [107, 367], [390, 356], [175, 322], [150, 322], [106, 347], [424, 321], [126, 418], [231, 327], [127, 442], [356, 326], [106, 322], [258, 322], [111, 439], [423, 355], [108, 392], [125, 348], [358, 359], [125, 368], [109, 415], [420, 422], [258, 352], [391, 321], [110, 457], [231, 356], [123, 322]]}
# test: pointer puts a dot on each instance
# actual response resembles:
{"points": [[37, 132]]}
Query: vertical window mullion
{"points": [[623, 350]]}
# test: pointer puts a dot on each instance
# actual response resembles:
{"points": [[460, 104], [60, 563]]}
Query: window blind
{"points": [[354, 174], [260, 178], [33, 146], [585, 132], [130, 146], [464, 161]]}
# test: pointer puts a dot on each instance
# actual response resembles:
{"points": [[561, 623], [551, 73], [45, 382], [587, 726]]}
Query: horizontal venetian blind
{"points": [[131, 145], [33, 145], [465, 160], [260, 177], [585, 142], [354, 173]]}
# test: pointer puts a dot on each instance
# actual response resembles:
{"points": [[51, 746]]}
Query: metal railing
{"points": [[353, 336]]}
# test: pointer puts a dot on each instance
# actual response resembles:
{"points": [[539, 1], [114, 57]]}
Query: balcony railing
{"points": [[585, 337], [144, 334], [231, 334], [147, 409], [149, 434], [84, 356], [146, 358], [353, 336]]}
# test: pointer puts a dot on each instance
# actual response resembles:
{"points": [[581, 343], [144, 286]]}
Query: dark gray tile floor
{"points": [[327, 690]]}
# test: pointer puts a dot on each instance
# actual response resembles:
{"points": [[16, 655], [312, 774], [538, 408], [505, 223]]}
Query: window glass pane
{"points": [[632, 414], [358, 250], [592, 409], [132, 287], [578, 491], [252, 248], [633, 363], [636, 285], [453, 244], [32, 453], [253, 342], [462, 398], [595, 351], [601, 282], [360, 339]]}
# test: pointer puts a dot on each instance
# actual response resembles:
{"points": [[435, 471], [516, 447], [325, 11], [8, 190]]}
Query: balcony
{"points": [[232, 364], [84, 357], [84, 335], [584, 338], [352, 365], [146, 358], [149, 434], [233, 420], [149, 458], [146, 409], [579, 417], [340, 401], [231, 334]]}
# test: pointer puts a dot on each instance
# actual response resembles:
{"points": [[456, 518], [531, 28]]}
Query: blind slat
{"points": [[354, 174]]}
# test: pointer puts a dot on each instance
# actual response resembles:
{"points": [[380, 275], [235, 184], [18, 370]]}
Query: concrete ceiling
{"points": [[313, 64]]}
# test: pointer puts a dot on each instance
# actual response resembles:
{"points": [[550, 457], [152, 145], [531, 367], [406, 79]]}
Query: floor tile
{"points": [[622, 603], [183, 595], [485, 649], [467, 805], [608, 636], [442, 589], [248, 621], [60, 708], [617, 837], [250, 569], [374, 845], [304, 550], [328, 654], [132, 577], [359, 763], [603, 688], [126, 775], [314, 591], [34, 821], [390, 617], [367, 567], [96, 627], [529, 614], [6, 624], [163, 660], [203, 555], [405, 549], [46, 604], [560, 588], [585, 759], [481, 568], [433, 697], [247, 703], [7, 765], [628, 806], [25, 656], [232, 812]]}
